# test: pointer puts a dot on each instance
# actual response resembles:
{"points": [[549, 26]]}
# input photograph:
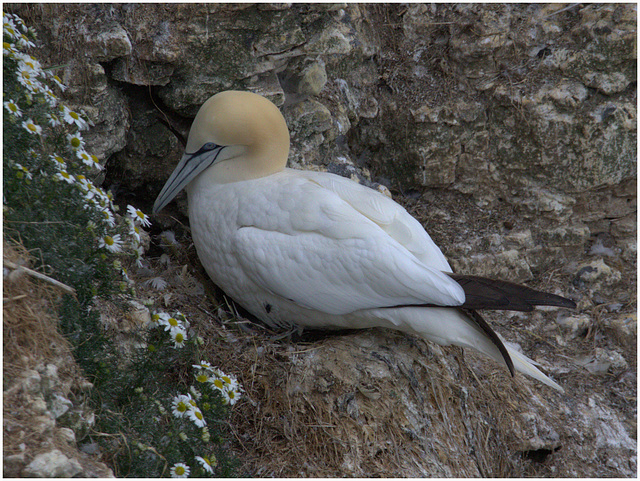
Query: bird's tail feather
{"points": [[447, 326], [525, 365]]}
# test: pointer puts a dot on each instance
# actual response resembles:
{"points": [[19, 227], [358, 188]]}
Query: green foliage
{"points": [[52, 206], [140, 398]]}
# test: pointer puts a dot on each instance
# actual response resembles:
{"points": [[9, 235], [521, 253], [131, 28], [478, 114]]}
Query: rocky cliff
{"points": [[508, 130]]}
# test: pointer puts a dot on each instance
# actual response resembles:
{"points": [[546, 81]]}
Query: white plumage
{"points": [[312, 249]]}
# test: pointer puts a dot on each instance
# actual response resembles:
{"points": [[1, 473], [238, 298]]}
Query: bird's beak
{"points": [[188, 169]]}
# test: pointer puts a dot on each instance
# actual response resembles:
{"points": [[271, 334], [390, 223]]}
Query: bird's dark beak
{"points": [[189, 167]]}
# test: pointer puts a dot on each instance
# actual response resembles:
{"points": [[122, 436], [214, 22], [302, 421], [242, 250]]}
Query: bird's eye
{"points": [[209, 146]]}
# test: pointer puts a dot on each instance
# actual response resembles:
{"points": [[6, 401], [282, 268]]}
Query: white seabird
{"points": [[312, 249]]}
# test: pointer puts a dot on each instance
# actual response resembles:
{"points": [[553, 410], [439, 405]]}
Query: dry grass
{"points": [[32, 341], [29, 322]]}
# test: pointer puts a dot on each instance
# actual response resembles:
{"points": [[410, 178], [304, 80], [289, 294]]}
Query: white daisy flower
{"points": [[75, 141], [85, 157], [178, 336], [95, 162], [50, 97], [31, 127], [34, 86], [231, 396], [112, 244], [9, 49], [59, 162], [170, 323], [154, 320], [138, 252], [86, 186], [8, 28], [134, 230], [23, 172], [206, 464], [66, 176], [25, 76], [217, 383], [104, 198], [58, 82], [54, 120], [138, 215], [72, 117], [196, 416], [180, 405], [202, 365], [202, 376], [180, 470], [225, 396], [195, 393], [108, 216], [24, 42], [29, 63], [13, 108]]}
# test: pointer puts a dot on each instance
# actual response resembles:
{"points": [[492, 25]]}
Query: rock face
{"points": [[44, 410], [508, 130]]}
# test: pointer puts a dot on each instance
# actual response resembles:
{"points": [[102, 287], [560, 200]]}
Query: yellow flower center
{"points": [[108, 240], [202, 378], [75, 142], [179, 338], [181, 407], [172, 322], [74, 115], [179, 470], [32, 127]]}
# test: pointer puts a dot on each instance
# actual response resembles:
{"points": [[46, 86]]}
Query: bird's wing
{"points": [[318, 251], [389, 215]]}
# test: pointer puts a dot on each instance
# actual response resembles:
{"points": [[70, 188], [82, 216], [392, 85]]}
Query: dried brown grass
{"points": [[29, 321], [30, 340]]}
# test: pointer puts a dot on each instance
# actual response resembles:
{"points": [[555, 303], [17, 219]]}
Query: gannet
{"points": [[301, 249]]}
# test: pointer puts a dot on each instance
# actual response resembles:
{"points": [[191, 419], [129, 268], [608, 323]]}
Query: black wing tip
{"points": [[557, 301], [491, 334], [487, 293]]}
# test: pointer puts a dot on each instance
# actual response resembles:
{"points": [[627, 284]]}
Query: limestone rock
{"points": [[53, 464]]}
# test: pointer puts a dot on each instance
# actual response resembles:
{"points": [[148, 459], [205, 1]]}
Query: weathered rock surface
{"points": [[43, 394], [508, 130]]}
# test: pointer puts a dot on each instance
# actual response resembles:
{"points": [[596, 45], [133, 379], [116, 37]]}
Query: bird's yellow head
{"points": [[235, 136]]}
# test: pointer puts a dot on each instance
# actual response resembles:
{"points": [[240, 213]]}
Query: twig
{"points": [[15, 298], [573, 5], [38, 275]]}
